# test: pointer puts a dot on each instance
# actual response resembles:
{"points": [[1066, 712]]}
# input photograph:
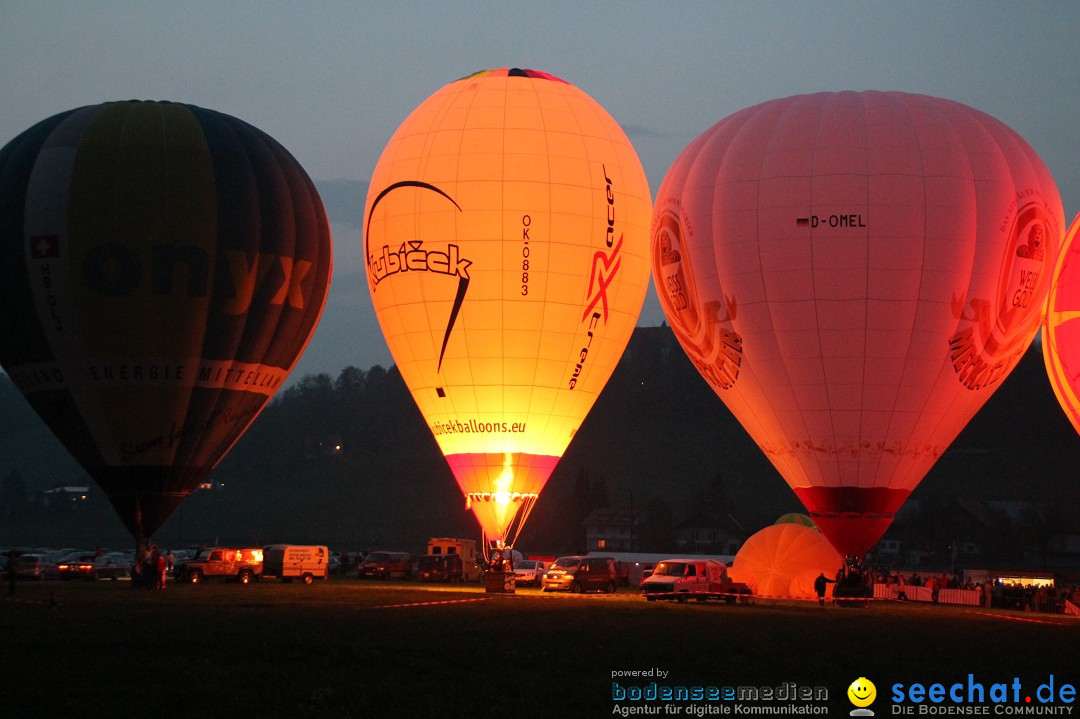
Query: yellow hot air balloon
{"points": [[506, 238]]}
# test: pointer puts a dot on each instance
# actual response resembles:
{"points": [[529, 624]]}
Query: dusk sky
{"points": [[331, 81]]}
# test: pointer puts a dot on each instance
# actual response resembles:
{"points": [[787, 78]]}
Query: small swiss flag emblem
{"points": [[43, 247]]}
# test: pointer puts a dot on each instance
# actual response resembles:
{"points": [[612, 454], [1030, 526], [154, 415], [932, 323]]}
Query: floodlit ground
{"points": [[352, 648]]}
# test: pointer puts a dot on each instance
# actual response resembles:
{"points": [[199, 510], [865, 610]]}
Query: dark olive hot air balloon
{"points": [[162, 267]]}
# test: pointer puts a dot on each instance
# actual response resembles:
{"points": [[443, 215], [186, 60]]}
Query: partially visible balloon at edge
{"points": [[1061, 330], [796, 518], [162, 267]]}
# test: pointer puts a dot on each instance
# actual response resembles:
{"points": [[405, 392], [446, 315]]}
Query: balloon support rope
{"points": [[509, 539]]}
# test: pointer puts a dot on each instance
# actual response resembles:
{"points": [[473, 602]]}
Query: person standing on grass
{"points": [[819, 587], [160, 567]]}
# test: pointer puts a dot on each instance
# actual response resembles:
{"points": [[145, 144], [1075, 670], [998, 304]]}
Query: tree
{"points": [[598, 495], [655, 528], [13, 497], [711, 498]]}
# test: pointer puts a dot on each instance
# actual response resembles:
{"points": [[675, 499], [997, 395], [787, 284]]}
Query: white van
{"points": [[292, 561], [701, 579]]}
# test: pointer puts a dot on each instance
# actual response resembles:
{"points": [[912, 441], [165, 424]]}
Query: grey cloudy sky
{"points": [[332, 80]]}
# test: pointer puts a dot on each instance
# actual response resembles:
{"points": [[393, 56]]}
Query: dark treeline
{"points": [[349, 461]]}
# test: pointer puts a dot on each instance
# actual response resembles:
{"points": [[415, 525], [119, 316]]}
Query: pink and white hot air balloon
{"points": [[855, 273]]}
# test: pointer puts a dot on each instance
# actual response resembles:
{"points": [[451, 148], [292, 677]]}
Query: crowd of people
{"points": [[854, 581], [1043, 597], [153, 567]]}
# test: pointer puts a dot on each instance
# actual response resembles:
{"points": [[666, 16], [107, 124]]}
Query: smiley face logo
{"points": [[862, 692]]}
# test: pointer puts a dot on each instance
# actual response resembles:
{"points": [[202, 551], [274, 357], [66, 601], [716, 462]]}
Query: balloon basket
{"points": [[499, 583], [848, 594]]}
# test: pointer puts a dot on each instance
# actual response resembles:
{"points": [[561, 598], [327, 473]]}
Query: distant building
{"points": [[704, 534], [968, 532], [70, 497], [608, 530]]}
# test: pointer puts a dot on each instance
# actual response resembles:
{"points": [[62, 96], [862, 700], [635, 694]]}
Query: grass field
{"points": [[349, 648]]}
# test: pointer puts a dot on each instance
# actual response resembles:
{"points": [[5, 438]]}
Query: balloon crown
{"points": [[513, 72]]}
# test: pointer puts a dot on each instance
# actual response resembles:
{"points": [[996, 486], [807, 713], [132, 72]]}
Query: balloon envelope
{"points": [[162, 266], [796, 518], [782, 560], [854, 274], [507, 255], [1061, 331]]}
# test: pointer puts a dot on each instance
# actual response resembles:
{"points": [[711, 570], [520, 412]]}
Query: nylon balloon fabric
{"points": [[1061, 331], [506, 242], [782, 560], [162, 267], [854, 273]]}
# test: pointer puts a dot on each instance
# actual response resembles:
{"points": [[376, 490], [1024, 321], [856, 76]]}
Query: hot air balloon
{"points": [[796, 518], [1061, 331], [854, 273], [506, 238], [782, 560], [162, 266]]}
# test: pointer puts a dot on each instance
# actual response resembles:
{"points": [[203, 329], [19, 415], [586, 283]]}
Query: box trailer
{"points": [[294, 561], [465, 548]]}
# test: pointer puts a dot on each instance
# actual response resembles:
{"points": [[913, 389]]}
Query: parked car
{"points": [[582, 574], [77, 566], [30, 566], [529, 572], [55, 556], [346, 563], [441, 568], [244, 564], [646, 572], [114, 565], [386, 565]]}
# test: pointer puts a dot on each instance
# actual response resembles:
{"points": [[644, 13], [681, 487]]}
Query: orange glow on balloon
{"points": [[507, 256], [782, 560], [1061, 331], [854, 274]]}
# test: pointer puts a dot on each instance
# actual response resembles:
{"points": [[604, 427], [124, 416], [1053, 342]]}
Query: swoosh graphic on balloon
{"points": [[463, 282]]}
